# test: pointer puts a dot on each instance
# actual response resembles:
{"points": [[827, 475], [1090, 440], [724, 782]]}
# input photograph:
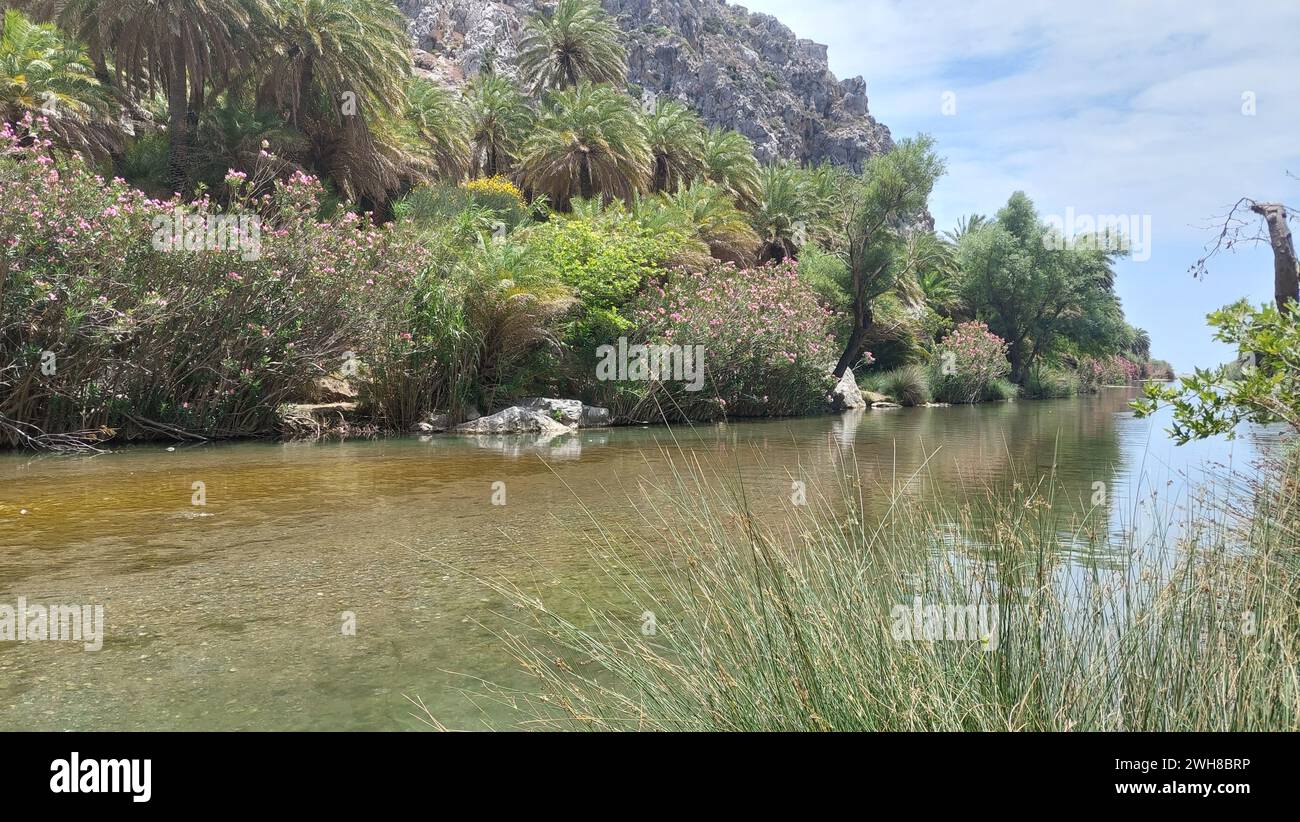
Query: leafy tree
{"points": [[1034, 291], [43, 73], [588, 141], [1264, 386], [577, 42], [676, 139], [880, 214], [498, 118], [729, 162]]}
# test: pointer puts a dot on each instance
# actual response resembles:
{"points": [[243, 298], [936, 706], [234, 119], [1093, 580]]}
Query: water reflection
{"points": [[227, 616]]}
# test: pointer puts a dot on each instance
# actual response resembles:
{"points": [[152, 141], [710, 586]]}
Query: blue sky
{"points": [[1106, 107]]}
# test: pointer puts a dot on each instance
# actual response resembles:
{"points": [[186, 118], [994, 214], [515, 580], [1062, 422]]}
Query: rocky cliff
{"points": [[738, 69]]}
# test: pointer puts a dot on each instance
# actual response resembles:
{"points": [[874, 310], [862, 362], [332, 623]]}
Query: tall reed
{"points": [[1184, 620]]}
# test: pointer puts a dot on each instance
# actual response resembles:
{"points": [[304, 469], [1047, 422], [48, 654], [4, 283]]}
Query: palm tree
{"points": [[677, 142], [337, 59], [439, 127], [69, 16], [717, 221], [498, 117], [1141, 344], [338, 70], [729, 162], [966, 225], [42, 72], [782, 216], [588, 141], [232, 133], [182, 45], [576, 42]]}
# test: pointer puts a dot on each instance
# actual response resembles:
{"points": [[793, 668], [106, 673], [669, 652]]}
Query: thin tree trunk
{"points": [[1286, 271], [852, 351], [861, 317]]}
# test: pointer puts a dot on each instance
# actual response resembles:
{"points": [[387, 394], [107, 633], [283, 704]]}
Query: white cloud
{"points": [[1107, 107]]}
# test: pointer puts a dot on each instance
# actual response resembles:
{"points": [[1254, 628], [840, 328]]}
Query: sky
{"points": [[1167, 111]]}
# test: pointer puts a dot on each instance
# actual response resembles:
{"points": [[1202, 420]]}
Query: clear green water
{"points": [[229, 615]]}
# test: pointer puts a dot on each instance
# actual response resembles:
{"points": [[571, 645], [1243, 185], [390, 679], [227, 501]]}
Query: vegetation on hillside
{"points": [[526, 219]]}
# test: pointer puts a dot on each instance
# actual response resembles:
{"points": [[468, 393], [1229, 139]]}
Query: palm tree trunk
{"points": [[177, 122], [585, 185], [1286, 270]]}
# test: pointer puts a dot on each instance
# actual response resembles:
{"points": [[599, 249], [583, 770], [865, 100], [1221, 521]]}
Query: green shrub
{"points": [[1047, 382], [908, 385], [1000, 389]]}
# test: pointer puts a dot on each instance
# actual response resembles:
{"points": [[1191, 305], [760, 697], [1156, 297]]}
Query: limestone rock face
{"points": [[741, 70]]}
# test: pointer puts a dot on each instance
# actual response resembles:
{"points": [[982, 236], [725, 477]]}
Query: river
{"points": [[230, 614]]}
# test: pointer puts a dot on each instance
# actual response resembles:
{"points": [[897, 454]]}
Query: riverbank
{"points": [[337, 415], [125, 317]]}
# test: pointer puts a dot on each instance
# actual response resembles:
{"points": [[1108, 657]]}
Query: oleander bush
{"points": [[968, 359], [765, 340]]}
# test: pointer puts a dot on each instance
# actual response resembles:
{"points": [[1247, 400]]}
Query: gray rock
{"points": [[513, 420], [568, 412], [593, 416], [885, 405], [845, 394], [433, 423]]}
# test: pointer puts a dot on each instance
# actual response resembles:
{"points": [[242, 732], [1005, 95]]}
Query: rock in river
{"points": [[513, 420]]}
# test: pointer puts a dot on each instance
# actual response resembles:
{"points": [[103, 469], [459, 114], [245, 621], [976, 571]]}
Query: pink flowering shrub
{"points": [[766, 340], [113, 319], [1095, 372], [968, 359]]}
